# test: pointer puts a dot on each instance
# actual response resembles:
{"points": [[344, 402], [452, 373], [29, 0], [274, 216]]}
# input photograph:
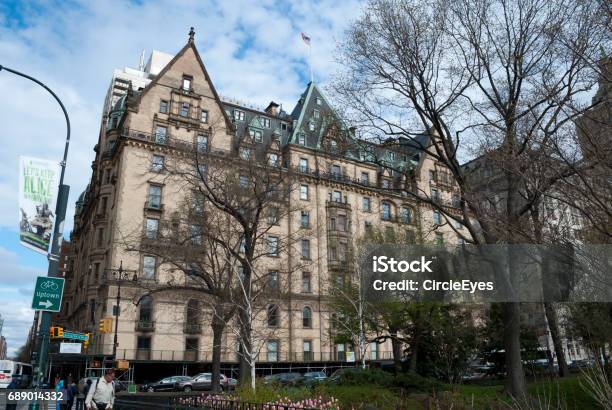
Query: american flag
{"points": [[305, 39]]}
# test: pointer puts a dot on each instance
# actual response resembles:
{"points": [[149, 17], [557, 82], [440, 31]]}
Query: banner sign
{"points": [[74, 348], [38, 181]]}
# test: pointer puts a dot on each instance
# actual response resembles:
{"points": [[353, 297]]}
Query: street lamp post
{"points": [[119, 275], [60, 211]]}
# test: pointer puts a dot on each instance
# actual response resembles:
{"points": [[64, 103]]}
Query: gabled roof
{"points": [[190, 45]]}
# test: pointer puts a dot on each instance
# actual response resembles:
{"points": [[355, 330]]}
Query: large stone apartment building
{"points": [[341, 191]]}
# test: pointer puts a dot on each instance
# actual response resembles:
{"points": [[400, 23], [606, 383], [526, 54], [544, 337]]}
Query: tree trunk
{"points": [[412, 365], [396, 346], [217, 328], [553, 325], [515, 381]]}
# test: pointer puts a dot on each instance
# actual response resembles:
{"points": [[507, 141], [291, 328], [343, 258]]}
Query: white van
{"points": [[9, 368]]}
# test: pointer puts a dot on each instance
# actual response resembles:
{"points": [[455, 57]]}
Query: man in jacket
{"points": [[101, 395]]}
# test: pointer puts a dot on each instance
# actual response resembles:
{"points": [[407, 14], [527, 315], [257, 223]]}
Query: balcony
{"points": [[145, 326], [192, 328]]}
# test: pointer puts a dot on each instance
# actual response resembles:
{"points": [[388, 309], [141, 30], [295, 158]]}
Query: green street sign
{"points": [[75, 336], [132, 388], [48, 294]]}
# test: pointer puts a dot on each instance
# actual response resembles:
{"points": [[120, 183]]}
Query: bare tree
{"points": [[498, 79]]}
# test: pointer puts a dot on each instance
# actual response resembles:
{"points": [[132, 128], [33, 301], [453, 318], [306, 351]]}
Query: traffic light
{"points": [[56, 331], [106, 325], [86, 341]]}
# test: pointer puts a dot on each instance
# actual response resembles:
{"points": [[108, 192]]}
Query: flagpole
{"points": [[310, 61]]}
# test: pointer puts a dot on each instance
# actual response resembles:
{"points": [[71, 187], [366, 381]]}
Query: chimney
{"points": [[272, 109]]}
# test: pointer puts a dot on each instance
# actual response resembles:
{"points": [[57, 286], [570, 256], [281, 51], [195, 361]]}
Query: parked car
{"points": [[230, 383], [581, 364], [314, 377], [285, 379], [202, 381], [165, 384]]}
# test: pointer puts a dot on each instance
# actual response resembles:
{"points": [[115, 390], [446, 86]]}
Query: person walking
{"points": [[101, 395], [72, 392], [82, 390], [14, 384]]}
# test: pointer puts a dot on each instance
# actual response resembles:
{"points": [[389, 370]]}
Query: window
{"points": [[318, 100], [242, 246], [273, 160], [256, 135], [311, 125], [202, 143], [386, 211], [238, 115], [301, 139], [307, 350], [437, 219], [366, 204], [305, 219], [245, 153], [186, 83], [283, 126], [191, 345], [333, 145], [432, 175], [154, 200], [163, 107], [273, 280], [160, 134], [386, 184], [460, 242], [193, 315], [365, 178], [342, 223], [316, 114], [148, 267], [157, 163], [336, 170], [265, 122], [332, 224], [184, 112], [196, 234], [204, 116], [337, 196], [373, 351], [435, 195], [305, 249], [306, 282], [143, 343], [243, 181], [304, 192], [307, 317], [392, 155], [273, 216], [272, 245], [202, 168], [439, 238], [456, 201], [92, 310], [405, 215], [272, 348], [100, 237], [303, 165], [145, 309], [151, 228], [273, 316]]}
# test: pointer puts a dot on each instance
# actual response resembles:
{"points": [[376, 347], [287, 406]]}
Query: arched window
{"points": [[273, 316], [194, 312], [307, 317], [145, 313]]}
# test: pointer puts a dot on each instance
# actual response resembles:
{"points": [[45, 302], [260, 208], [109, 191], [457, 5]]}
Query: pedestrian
{"points": [[101, 395], [60, 388], [14, 384], [72, 393], [82, 389]]}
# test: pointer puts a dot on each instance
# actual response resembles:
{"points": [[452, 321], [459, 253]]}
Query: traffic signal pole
{"points": [[40, 361]]}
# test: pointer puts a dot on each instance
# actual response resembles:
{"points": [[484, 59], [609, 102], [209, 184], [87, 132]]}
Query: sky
{"points": [[252, 50]]}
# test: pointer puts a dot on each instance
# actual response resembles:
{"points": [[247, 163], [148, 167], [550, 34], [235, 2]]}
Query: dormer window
{"points": [[265, 122], [318, 100], [316, 114], [311, 125], [301, 139], [186, 83], [204, 116], [284, 126]]}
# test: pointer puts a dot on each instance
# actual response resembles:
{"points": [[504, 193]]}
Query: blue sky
{"points": [[252, 50]]}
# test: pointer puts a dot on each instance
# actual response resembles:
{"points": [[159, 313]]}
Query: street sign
{"points": [[75, 336], [48, 294]]}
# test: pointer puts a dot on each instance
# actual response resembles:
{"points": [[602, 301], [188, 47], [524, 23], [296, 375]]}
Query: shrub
{"points": [[360, 377], [414, 382]]}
